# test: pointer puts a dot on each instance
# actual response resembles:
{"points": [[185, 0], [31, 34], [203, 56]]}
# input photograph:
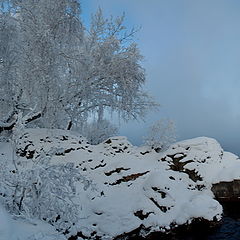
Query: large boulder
{"points": [[203, 160]]}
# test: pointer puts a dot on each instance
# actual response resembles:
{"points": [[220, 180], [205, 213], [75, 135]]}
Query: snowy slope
{"points": [[135, 187], [20, 229]]}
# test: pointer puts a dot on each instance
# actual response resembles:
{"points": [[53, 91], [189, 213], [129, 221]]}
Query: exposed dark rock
{"points": [[177, 165], [227, 191], [69, 150], [193, 174], [141, 215], [128, 178], [162, 208], [64, 138], [198, 229], [143, 153], [117, 170], [80, 235], [119, 150], [26, 152], [163, 194], [108, 141], [98, 166]]}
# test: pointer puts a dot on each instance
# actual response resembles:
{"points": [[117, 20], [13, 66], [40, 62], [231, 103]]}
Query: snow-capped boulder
{"points": [[203, 160], [135, 187]]}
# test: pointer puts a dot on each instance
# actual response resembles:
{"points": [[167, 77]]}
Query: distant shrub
{"points": [[161, 135]]}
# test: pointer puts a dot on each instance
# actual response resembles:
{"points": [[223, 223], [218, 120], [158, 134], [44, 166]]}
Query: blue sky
{"points": [[192, 59]]}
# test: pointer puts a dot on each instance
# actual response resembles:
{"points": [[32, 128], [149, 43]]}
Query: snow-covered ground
{"points": [[130, 187], [22, 229]]}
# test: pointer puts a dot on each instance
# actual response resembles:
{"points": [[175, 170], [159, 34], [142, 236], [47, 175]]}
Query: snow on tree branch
{"points": [[70, 73], [161, 135], [43, 191], [19, 120]]}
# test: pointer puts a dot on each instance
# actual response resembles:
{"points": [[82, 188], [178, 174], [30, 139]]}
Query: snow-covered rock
{"points": [[204, 160], [136, 187]]}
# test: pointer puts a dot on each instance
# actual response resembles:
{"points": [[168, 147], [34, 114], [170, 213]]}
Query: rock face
{"points": [[136, 188], [227, 191]]}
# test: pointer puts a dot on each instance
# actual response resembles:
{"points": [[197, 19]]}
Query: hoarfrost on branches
{"points": [[98, 131], [46, 192], [161, 135], [48, 59]]}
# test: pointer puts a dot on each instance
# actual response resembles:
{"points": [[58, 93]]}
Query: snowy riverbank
{"points": [[128, 187]]}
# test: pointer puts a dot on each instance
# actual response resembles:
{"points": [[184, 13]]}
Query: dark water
{"points": [[228, 230]]}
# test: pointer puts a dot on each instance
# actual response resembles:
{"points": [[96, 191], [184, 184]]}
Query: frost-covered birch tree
{"points": [[8, 62], [51, 63]]}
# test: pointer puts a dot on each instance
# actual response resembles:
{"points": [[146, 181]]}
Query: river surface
{"points": [[228, 230]]}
